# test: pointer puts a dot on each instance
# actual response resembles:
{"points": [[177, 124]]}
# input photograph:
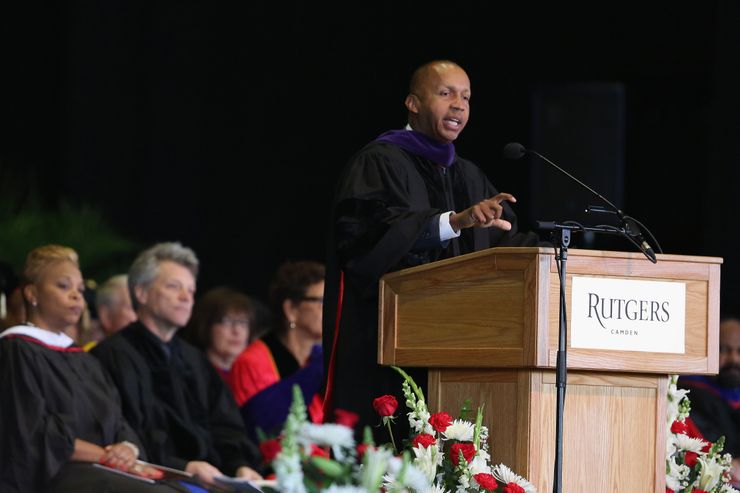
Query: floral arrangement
{"points": [[453, 453], [443, 455], [693, 465]]}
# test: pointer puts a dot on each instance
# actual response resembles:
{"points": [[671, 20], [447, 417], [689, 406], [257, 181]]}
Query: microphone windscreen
{"points": [[514, 150]]}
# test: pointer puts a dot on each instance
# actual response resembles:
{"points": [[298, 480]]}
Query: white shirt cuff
{"points": [[445, 230]]}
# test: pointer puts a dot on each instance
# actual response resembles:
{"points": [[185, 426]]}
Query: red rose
{"points": [[317, 451], [467, 449], [690, 459], [697, 490], [668, 490], [385, 405], [423, 439], [486, 481], [513, 488], [440, 421], [270, 449], [346, 418], [679, 427]]}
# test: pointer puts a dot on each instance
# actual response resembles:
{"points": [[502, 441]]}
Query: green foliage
{"points": [[465, 409], [103, 252], [367, 436]]}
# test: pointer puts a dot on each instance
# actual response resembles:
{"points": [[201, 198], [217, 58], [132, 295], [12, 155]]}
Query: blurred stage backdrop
{"points": [[223, 125]]}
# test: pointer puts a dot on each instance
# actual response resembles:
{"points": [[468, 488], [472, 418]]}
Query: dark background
{"points": [[223, 125]]}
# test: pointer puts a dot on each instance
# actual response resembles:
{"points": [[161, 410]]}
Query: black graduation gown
{"points": [[178, 404], [385, 217], [713, 415], [48, 398]]}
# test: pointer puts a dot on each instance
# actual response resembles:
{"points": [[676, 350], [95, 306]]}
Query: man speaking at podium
{"points": [[403, 200]]}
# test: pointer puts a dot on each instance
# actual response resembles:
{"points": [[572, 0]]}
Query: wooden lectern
{"points": [[486, 326]]}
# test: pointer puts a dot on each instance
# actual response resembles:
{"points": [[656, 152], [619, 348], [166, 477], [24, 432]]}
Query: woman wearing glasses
{"points": [[263, 376], [221, 326]]}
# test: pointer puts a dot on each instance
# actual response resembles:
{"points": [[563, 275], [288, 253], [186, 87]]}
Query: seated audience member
{"points": [[220, 326], [113, 304], [12, 309], [113, 307], [59, 413], [172, 396], [715, 400], [263, 376]]}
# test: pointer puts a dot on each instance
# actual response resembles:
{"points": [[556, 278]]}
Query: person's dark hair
{"points": [[291, 281], [210, 308]]}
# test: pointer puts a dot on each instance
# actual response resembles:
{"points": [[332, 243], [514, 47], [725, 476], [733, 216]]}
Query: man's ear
{"points": [[412, 103], [104, 316], [141, 294]]}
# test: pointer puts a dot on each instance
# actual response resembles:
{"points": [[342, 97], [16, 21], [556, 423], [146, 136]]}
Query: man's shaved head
{"points": [[427, 72], [439, 100]]}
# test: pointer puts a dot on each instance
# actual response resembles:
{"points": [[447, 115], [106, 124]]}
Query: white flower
{"points": [[460, 430], [670, 445], [463, 484], [673, 483], [289, 473], [685, 442], [435, 488], [427, 460], [344, 489], [676, 475], [484, 438], [506, 476], [374, 467], [328, 434], [711, 473], [478, 465], [675, 396], [412, 476], [419, 421]]}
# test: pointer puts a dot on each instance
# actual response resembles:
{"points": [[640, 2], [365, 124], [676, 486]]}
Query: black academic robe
{"points": [[386, 217], [176, 401], [48, 398], [713, 415]]}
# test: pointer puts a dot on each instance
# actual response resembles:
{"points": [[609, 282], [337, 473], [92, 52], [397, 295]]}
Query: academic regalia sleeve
{"points": [[375, 224], [124, 431], [227, 428], [253, 370], [34, 444], [126, 371], [124, 374], [268, 409], [714, 417]]}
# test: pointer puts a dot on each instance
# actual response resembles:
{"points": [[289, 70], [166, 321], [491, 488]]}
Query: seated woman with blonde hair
{"points": [[60, 414]]}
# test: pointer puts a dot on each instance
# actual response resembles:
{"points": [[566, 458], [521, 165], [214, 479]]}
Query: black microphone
{"points": [[632, 229], [514, 150]]}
